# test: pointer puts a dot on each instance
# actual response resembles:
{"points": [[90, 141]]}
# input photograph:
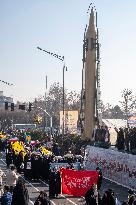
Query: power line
{"points": [[53, 54], [10, 84]]}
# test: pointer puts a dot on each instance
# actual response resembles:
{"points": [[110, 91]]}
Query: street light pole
{"points": [[45, 117], [61, 58], [63, 102], [50, 120], [63, 107]]}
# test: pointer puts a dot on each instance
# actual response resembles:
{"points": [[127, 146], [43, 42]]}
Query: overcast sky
{"points": [[58, 26]]}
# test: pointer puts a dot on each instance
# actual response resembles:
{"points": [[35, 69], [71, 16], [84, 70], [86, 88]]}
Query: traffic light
{"points": [[12, 106], [6, 105], [22, 107], [30, 107]]}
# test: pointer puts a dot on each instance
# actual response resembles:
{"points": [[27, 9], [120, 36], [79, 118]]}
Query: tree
{"points": [[53, 105], [54, 102], [128, 102], [111, 112], [73, 100], [116, 112]]}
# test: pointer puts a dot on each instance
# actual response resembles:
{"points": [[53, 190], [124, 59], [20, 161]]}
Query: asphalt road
{"points": [[35, 187]]}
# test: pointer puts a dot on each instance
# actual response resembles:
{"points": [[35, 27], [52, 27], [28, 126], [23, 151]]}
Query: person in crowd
{"points": [[78, 164], [132, 139], [27, 166], [97, 134], [45, 168], [54, 183], [2, 174], [103, 134], [120, 144], [1, 191], [99, 183], [126, 139], [57, 183], [35, 166], [134, 203], [107, 134], [8, 157], [131, 197], [19, 161], [11, 178], [6, 199], [14, 156], [108, 198], [104, 198], [42, 199], [70, 165], [92, 196], [124, 203], [20, 194]]}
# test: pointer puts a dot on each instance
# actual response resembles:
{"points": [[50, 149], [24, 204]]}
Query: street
{"points": [[35, 187]]}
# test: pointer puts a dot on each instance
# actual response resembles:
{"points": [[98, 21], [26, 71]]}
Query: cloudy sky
{"points": [[58, 26]]}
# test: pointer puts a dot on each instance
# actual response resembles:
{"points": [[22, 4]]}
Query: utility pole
{"points": [[63, 107], [61, 58], [45, 97], [50, 121]]}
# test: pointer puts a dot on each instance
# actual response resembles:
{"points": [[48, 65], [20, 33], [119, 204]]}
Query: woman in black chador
{"points": [[91, 196], [20, 194], [52, 184], [57, 183], [19, 161], [120, 139]]}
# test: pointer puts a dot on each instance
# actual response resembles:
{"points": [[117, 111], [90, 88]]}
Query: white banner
{"points": [[117, 166], [58, 165]]}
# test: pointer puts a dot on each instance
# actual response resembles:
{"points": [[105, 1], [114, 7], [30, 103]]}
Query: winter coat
{"points": [[90, 197], [42, 201], [6, 199], [20, 196]]}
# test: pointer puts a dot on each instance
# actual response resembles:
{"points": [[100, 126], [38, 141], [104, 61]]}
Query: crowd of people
{"points": [[93, 197], [34, 165], [101, 134], [15, 191], [126, 139]]}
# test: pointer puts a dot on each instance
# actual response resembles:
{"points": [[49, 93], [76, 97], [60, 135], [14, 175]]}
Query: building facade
{"points": [[4, 99]]}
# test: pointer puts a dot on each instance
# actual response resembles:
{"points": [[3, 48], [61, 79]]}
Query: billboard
{"points": [[132, 121], [70, 121]]}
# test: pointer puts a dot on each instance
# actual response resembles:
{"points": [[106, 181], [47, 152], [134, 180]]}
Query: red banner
{"points": [[77, 183]]}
